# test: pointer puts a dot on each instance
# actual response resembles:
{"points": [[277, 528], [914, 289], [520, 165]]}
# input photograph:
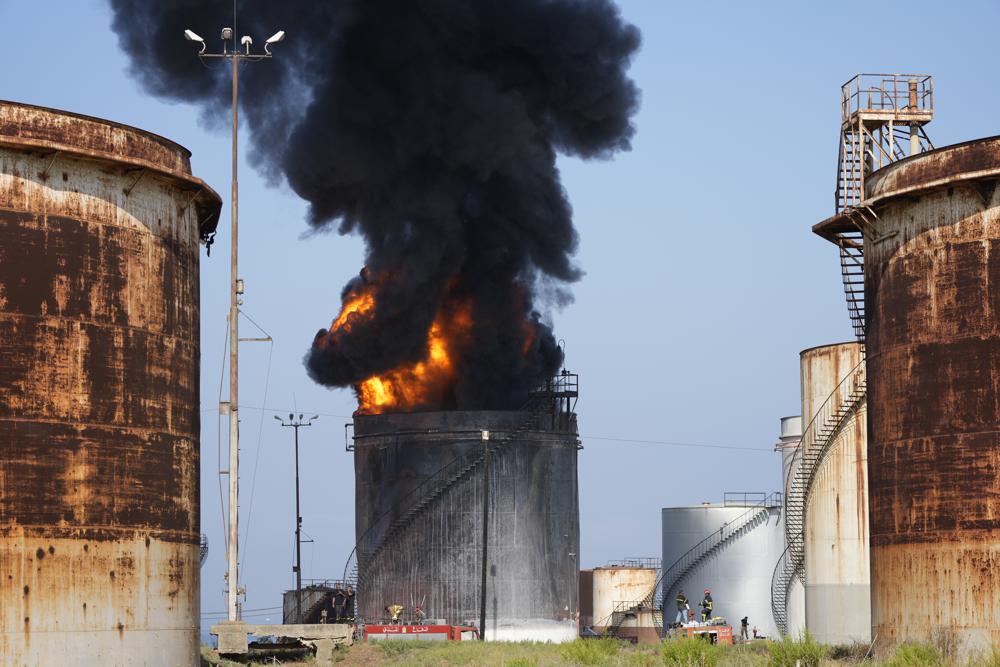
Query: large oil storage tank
{"points": [[837, 590], [99, 397], [728, 548], [621, 584], [419, 511], [932, 294]]}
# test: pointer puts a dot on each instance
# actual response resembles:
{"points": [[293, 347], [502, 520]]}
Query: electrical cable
{"points": [[260, 433], [218, 443], [671, 443]]}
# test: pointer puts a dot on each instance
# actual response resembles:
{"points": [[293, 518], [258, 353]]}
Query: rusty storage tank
{"points": [[419, 498], [932, 298], [99, 397], [586, 593], [837, 590], [626, 581]]}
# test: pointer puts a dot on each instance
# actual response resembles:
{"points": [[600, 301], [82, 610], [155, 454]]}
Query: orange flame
{"points": [[357, 305], [424, 382], [414, 385]]}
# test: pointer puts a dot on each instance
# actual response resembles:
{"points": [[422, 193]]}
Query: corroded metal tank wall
{"points": [[423, 542], [586, 598], [614, 584], [99, 398], [932, 292], [738, 573], [837, 589]]}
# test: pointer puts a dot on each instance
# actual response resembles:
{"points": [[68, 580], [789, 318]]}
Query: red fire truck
{"points": [[421, 632]]}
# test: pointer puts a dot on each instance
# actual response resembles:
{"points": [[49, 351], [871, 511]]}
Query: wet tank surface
{"points": [[420, 529]]}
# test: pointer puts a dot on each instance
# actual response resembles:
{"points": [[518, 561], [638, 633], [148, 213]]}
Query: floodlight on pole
{"points": [[274, 39], [192, 36], [233, 589]]}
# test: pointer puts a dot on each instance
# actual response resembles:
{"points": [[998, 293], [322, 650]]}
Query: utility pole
{"points": [[229, 52], [486, 507], [297, 568]]}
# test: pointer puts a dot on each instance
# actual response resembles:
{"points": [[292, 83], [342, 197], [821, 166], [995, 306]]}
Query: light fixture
{"points": [[273, 39]]}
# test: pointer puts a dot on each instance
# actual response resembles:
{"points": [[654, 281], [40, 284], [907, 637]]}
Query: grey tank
{"points": [[419, 500]]}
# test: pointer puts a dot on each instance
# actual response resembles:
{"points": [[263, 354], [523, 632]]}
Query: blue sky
{"points": [[703, 280]]}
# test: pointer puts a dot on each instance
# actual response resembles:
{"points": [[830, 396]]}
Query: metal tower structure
{"points": [[882, 119]]}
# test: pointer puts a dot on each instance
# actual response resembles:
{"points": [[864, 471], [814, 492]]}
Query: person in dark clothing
{"points": [[682, 607], [745, 628], [706, 606]]}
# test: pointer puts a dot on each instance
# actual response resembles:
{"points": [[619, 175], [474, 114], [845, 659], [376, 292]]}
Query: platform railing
{"points": [[887, 92]]}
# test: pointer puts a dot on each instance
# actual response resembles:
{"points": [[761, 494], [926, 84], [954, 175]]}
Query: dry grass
{"points": [[612, 653]]}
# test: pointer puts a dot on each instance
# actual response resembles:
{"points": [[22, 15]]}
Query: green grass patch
{"points": [[789, 653], [914, 655], [591, 651], [686, 652]]}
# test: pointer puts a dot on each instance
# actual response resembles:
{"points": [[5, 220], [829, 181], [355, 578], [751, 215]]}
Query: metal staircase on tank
{"points": [[553, 402], [816, 440], [882, 121], [671, 577]]}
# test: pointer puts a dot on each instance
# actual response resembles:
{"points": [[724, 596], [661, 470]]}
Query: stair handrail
{"points": [[808, 443], [785, 567], [810, 454]]}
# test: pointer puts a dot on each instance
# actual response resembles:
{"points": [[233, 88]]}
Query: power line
{"points": [[248, 611], [284, 410], [670, 443], [638, 441]]}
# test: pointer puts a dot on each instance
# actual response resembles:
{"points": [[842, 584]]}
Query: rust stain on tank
{"points": [[933, 299], [99, 397]]}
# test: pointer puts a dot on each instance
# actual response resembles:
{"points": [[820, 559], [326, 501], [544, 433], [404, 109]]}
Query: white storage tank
{"points": [[838, 604], [726, 548]]}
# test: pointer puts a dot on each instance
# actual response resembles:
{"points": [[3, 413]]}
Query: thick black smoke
{"points": [[431, 127]]}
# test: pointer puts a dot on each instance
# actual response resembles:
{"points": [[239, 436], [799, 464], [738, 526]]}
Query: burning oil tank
{"points": [[837, 589], [419, 516], [932, 297], [99, 397]]}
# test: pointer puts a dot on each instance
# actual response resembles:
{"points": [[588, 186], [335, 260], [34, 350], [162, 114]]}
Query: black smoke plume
{"points": [[431, 127]]}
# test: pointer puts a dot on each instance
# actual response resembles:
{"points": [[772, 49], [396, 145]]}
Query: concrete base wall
{"points": [[839, 614]]}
